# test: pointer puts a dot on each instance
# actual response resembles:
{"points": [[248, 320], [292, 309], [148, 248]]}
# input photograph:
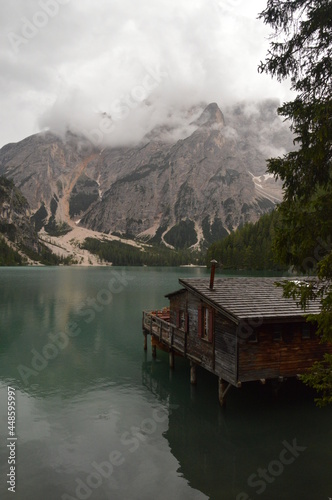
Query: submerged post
{"points": [[153, 346], [193, 379], [223, 390], [145, 341], [171, 359]]}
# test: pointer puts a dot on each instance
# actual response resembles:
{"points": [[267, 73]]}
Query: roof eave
{"points": [[211, 303], [301, 316], [177, 292]]}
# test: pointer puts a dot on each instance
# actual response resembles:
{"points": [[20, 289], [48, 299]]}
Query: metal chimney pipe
{"points": [[213, 270]]}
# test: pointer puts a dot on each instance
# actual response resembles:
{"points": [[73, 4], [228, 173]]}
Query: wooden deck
{"points": [[163, 333], [167, 337], [241, 330]]}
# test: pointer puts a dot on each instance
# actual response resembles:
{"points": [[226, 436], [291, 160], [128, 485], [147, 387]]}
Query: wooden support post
{"points": [[185, 344], [154, 346], [223, 390], [145, 341], [193, 378], [193, 392], [171, 359]]}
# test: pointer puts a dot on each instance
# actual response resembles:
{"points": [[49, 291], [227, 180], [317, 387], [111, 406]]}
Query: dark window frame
{"points": [[306, 332], [253, 337], [277, 333], [206, 323], [182, 320]]}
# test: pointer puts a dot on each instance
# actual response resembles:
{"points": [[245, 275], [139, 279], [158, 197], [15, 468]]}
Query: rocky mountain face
{"points": [[15, 214], [180, 192]]}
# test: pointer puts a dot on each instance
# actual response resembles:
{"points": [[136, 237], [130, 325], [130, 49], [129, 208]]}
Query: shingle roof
{"points": [[242, 298]]}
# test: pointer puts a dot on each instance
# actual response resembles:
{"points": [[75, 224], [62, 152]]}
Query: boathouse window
{"points": [[182, 320], [277, 333], [288, 336], [306, 331], [253, 337], [205, 323]]}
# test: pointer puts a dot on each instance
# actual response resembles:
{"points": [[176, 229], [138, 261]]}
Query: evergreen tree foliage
{"points": [[121, 254], [249, 247], [182, 235], [46, 257], [301, 49], [8, 256]]}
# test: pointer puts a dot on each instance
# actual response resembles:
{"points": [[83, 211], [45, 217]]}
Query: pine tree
{"points": [[301, 49]]}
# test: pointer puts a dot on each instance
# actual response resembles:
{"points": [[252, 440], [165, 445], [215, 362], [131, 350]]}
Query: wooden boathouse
{"points": [[240, 329]]}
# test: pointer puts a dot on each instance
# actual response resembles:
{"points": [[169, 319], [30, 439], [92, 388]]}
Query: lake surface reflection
{"points": [[97, 417]]}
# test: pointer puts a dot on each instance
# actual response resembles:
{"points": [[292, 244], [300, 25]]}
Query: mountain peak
{"points": [[211, 116]]}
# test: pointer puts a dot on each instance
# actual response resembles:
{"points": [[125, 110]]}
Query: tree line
{"points": [[300, 49], [249, 247], [122, 254]]}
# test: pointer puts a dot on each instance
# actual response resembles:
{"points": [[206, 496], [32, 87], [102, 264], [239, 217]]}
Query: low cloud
{"points": [[142, 64]]}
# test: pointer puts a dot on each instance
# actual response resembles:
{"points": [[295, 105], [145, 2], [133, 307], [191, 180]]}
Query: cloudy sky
{"points": [[66, 62]]}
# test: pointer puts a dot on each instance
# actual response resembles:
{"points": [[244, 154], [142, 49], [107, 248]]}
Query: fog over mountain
{"points": [[147, 118], [185, 183], [72, 65]]}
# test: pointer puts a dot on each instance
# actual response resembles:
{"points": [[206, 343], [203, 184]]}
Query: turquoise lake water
{"points": [[97, 418]]}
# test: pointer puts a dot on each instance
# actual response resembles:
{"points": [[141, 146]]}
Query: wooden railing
{"points": [[165, 332]]}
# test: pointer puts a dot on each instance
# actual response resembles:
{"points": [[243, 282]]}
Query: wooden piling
{"points": [[223, 390], [171, 359], [145, 341], [193, 377]]}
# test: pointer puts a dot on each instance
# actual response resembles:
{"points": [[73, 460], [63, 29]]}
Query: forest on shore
{"points": [[250, 247]]}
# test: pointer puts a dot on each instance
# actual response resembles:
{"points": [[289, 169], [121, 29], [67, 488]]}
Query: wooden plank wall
{"points": [[200, 348], [219, 356], [288, 357], [233, 357], [177, 302], [196, 347], [225, 349]]}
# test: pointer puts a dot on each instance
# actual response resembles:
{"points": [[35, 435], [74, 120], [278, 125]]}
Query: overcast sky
{"points": [[65, 62]]}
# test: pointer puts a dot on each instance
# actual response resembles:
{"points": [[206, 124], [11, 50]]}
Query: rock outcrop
{"points": [[15, 224], [183, 193]]}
